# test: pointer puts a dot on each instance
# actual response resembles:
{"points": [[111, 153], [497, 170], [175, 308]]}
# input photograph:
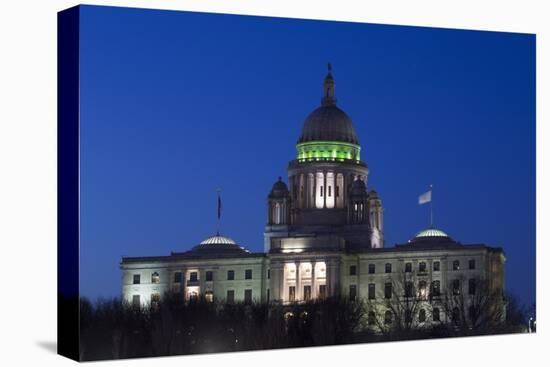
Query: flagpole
{"points": [[431, 207], [219, 212]]}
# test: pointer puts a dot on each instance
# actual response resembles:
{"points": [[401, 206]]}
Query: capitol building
{"points": [[324, 237]]}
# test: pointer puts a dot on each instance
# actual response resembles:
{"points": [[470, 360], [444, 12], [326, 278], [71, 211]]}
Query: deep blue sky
{"points": [[175, 105]]}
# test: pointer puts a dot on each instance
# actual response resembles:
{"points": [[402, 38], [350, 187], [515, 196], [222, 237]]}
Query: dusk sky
{"points": [[175, 105]]}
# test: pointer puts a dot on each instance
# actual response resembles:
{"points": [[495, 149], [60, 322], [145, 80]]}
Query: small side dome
{"points": [[218, 240], [358, 188], [430, 233], [279, 189], [218, 246]]}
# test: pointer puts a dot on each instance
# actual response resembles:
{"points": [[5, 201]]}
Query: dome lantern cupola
{"points": [[328, 132]]}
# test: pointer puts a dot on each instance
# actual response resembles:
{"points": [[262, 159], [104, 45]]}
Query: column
{"points": [[325, 190], [313, 281], [282, 282], [298, 282]]}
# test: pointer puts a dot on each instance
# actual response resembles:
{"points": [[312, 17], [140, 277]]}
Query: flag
{"points": [[425, 197], [219, 206]]}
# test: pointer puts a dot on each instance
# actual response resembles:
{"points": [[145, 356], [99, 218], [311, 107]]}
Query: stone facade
{"points": [[324, 237]]}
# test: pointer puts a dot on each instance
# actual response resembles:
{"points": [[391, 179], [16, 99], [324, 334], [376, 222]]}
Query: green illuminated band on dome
{"points": [[327, 151]]}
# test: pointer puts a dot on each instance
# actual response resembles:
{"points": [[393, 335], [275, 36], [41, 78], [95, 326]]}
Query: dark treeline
{"points": [[110, 329]]}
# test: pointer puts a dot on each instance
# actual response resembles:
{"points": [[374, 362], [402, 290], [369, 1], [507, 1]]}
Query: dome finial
{"points": [[328, 89]]}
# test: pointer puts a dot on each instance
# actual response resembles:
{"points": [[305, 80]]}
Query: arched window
{"points": [[277, 213], [422, 290], [435, 314], [155, 278], [387, 317], [422, 315]]}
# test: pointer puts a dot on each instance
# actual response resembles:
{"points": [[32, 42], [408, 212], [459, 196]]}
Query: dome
{"points": [[430, 233], [218, 240], [218, 246], [279, 189], [328, 123]]}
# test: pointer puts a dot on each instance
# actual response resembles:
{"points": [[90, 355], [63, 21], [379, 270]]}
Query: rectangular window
{"points": [[436, 288], [307, 293], [321, 190], [230, 275], [209, 276], [209, 296], [456, 287], [178, 277], [352, 292], [409, 289], [155, 278], [353, 270], [388, 268], [471, 264], [248, 296], [337, 189], [422, 267], [322, 291], [408, 267], [372, 290], [268, 273], [193, 276], [136, 301], [291, 294], [435, 314], [155, 299], [456, 265], [436, 265], [472, 287], [267, 296], [372, 268], [388, 289], [329, 191], [248, 274], [137, 279], [230, 296]]}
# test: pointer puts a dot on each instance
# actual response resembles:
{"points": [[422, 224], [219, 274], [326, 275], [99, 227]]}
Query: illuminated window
{"points": [[136, 302], [422, 315], [436, 288], [230, 298], [435, 314], [471, 264], [307, 293], [209, 276], [422, 267], [230, 275], [353, 292], [456, 265], [292, 294], [353, 270], [388, 289], [422, 291], [372, 268], [387, 318], [248, 274], [371, 318], [322, 291], [472, 287], [155, 299], [209, 296], [178, 277], [155, 278], [408, 267], [137, 279], [193, 276], [456, 287], [372, 291], [436, 265], [388, 268]]}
